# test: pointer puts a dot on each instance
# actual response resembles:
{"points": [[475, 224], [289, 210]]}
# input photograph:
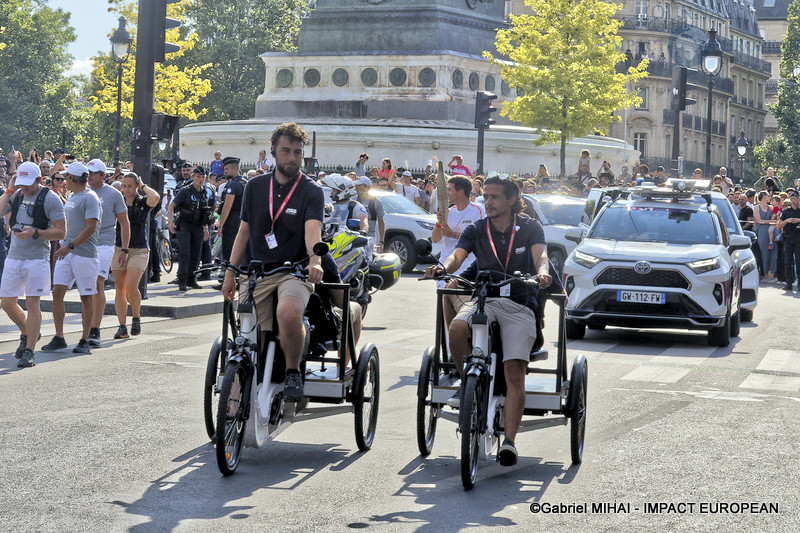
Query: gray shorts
{"points": [[517, 325]]}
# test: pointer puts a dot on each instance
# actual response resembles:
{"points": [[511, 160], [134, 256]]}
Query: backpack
{"points": [[40, 220], [371, 208]]}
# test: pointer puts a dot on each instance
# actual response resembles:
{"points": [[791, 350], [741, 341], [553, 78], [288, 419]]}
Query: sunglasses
{"points": [[59, 178]]}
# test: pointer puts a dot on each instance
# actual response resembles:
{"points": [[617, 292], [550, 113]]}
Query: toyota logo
{"points": [[642, 267]]}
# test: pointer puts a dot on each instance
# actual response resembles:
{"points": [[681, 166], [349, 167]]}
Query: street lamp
{"points": [[120, 47], [741, 148], [712, 64]]}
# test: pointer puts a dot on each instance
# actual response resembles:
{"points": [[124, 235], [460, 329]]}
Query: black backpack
{"points": [[40, 220], [373, 211]]}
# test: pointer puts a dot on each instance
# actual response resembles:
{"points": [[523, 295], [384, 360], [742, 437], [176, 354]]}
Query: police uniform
{"points": [[235, 187], [194, 209]]}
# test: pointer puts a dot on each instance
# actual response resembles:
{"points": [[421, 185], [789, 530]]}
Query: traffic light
{"points": [[163, 126], [484, 110], [679, 79], [164, 23]]}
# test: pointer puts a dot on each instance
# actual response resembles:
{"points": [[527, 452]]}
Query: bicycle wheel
{"points": [[165, 254], [229, 436], [427, 413], [577, 416], [214, 369], [469, 417], [367, 394]]}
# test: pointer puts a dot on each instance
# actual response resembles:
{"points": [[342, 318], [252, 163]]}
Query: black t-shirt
{"points": [[745, 213], [791, 230], [137, 215], [529, 233], [306, 203], [235, 187]]}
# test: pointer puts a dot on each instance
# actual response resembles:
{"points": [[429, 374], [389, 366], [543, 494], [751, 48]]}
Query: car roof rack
{"points": [[673, 189]]}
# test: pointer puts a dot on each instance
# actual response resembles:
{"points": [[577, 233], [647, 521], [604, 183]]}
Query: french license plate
{"points": [[642, 297]]}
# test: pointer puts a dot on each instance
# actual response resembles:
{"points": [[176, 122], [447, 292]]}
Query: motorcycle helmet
{"points": [[342, 188]]}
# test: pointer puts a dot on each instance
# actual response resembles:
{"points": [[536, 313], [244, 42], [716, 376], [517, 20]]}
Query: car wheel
{"points": [[736, 323], [721, 335], [574, 330], [746, 315], [557, 258], [404, 248]]}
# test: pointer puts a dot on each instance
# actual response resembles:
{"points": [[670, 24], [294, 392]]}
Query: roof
{"points": [[772, 9]]}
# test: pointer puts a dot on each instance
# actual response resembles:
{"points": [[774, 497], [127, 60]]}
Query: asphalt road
{"points": [[114, 441]]}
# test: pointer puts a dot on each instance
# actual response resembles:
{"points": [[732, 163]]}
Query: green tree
{"points": [[564, 58], [785, 108], [232, 36], [36, 99], [774, 152]]}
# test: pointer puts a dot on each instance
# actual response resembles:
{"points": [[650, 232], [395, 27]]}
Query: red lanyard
{"points": [[510, 243], [274, 218]]}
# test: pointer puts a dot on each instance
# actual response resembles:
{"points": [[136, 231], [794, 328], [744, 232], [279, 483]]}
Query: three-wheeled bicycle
{"points": [[480, 412], [243, 393]]}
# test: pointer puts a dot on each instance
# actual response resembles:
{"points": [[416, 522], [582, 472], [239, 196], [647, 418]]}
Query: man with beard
{"points": [[273, 235], [230, 209]]}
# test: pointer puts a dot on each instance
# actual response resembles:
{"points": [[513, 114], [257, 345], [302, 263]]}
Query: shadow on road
{"points": [[436, 483], [195, 489]]}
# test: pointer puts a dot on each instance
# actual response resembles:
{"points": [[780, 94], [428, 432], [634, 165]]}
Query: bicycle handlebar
{"points": [[483, 277], [257, 268]]}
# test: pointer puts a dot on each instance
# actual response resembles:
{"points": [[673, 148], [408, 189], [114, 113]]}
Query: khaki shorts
{"points": [[286, 285], [517, 325], [137, 258]]}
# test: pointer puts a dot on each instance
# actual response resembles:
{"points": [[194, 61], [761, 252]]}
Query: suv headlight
{"points": [[748, 266], [427, 225], [585, 260], [704, 265]]}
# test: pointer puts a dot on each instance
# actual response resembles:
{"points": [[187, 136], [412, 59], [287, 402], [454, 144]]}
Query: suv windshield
{"points": [[656, 224], [395, 204], [568, 214]]}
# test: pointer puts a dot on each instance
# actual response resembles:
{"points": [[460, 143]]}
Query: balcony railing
{"points": [[752, 62], [664, 70], [771, 87], [695, 122], [771, 47]]}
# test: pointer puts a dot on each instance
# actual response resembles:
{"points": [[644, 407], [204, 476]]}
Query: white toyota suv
{"points": [[656, 260]]}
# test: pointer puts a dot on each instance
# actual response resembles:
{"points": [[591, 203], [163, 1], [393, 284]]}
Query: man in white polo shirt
{"points": [[408, 190], [76, 260], [36, 216], [114, 210]]}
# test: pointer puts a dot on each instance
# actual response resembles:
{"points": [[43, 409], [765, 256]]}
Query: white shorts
{"points": [[25, 277], [104, 255], [79, 269]]}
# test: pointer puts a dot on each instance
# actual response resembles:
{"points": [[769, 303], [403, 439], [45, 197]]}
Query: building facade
{"points": [[772, 22]]}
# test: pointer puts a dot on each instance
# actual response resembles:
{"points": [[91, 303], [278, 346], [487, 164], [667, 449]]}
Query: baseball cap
{"points": [[363, 180], [750, 193], [27, 173], [408, 173], [77, 169], [96, 165]]}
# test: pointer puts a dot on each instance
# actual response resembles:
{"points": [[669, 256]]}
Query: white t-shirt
{"points": [[409, 191], [341, 211], [458, 221]]}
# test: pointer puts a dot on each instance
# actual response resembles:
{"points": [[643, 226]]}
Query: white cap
{"points": [[408, 173], [96, 165], [77, 169], [27, 173], [363, 180]]}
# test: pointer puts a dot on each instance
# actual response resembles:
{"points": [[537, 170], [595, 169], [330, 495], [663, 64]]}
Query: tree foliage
{"points": [[36, 99], [232, 36], [785, 108], [564, 59], [774, 152]]}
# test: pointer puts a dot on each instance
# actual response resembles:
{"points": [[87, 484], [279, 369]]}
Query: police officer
{"points": [[230, 209], [194, 206], [184, 176]]}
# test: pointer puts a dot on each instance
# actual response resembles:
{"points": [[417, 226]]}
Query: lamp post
{"points": [[712, 64], [120, 47], [741, 148]]}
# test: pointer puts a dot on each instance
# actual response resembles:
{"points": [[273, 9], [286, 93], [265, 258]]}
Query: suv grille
{"points": [[654, 278]]}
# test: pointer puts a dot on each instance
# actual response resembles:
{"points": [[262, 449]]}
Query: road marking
{"points": [[672, 365], [778, 370], [739, 396], [200, 350], [172, 363]]}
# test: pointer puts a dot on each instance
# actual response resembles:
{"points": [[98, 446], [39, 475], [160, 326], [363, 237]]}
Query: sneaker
{"points": [[507, 454], [194, 285], [182, 287], [58, 343], [217, 286], [23, 342], [27, 359], [94, 337], [769, 247], [136, 326], [787, 287], [122, 332], [293, 387], [82, 347], [455, 400], [155, 278]]}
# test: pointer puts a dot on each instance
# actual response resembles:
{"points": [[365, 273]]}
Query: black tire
{"points": [[557, 257], [598, 327], [574, 330], [746, 315], [404, 248], [427, 414], [721, 335], [736, 324], [469, 421], [577, 413], [367, 394], [214, 368], [165, 254], [231, 418]]}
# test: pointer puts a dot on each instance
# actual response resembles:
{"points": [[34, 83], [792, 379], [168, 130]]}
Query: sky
{"points": [[91, 36]]}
